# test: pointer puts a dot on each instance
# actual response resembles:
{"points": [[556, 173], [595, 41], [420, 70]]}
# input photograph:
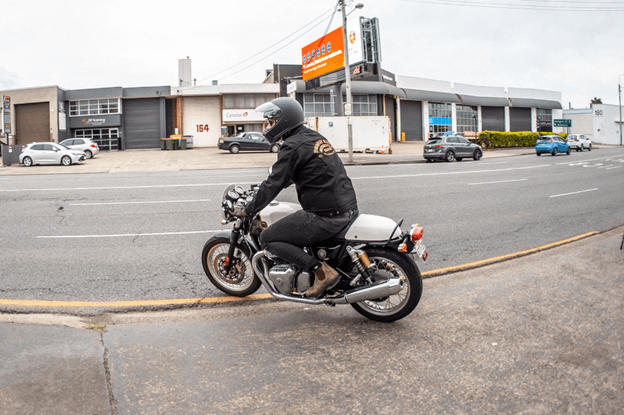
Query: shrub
{"points": [[498, 139]]}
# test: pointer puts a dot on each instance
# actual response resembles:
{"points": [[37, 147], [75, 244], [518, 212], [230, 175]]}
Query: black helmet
{"points": [[283, 114]]}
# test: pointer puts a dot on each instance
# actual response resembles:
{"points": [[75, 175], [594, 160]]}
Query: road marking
{"points": [[123, 235], [504, 181], [219, 300], [160, 186], [138, 203], [575, 193], [617, 167]]}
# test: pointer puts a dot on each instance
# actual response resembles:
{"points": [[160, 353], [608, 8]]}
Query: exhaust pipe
{"points": [[384, 289]]}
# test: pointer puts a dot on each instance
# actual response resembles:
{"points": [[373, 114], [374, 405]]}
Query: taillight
{"points": [[93, 145], [439, 146], [417, 233], [551, 141]]}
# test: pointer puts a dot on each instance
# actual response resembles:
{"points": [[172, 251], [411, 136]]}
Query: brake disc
{"points": [[237, 269]]}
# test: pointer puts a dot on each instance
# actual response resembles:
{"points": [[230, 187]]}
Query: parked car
{"points": [[85, 145], [451, 148], [552, 144], [247, 141], [50, 153], [579, 142]]}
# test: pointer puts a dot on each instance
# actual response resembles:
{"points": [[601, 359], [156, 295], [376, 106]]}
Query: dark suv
{"points": [[451, 148]]}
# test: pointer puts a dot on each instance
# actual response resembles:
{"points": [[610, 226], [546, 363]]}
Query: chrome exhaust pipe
{"points": [[384, 289]]}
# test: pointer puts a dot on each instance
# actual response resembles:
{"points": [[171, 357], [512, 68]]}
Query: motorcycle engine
{"points": [[287, 280]]}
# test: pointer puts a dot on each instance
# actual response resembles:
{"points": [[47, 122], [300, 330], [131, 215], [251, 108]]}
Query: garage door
{"points": [[493, 118], [33, 123], [141, 123], [520, 119], [411, 120]]}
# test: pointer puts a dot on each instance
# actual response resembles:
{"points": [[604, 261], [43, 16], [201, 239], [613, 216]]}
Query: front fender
{"points": [[221, 234]]}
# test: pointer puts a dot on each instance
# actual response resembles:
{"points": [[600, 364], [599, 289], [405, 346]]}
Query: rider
{"points": [[324, 190]]}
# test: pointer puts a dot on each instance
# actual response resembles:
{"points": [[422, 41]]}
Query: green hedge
{"points": [[498, 139]]}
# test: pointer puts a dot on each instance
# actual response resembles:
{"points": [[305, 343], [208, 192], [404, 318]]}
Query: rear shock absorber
{"points": [[363, 264]]}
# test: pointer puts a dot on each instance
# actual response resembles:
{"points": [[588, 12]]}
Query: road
{"points": [[138, 236]]}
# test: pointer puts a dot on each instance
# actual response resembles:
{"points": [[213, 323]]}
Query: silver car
{"points": [[50, 153], [85, 145], [451, 148]]}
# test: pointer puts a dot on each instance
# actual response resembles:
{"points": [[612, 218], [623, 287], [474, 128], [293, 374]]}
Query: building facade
{"points": [[601, 122]]}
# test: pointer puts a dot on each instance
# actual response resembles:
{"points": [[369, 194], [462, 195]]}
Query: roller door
{"points": [[141, 123], [520, 119], [493, 118], [411, 120], [33, 123]]}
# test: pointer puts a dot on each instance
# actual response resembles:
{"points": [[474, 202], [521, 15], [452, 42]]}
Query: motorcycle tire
{"points": [[402, 304], [241, 281]]}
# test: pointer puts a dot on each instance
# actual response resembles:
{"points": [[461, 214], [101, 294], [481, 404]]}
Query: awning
{"points": [[375, 88], [535, 103], [484, 101], [420, 95]]}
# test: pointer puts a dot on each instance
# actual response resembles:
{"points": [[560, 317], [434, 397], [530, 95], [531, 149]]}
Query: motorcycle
{"points": [[376, 261]]}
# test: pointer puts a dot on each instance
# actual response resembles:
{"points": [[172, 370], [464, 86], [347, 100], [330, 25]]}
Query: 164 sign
{"points": [[202, 128]]}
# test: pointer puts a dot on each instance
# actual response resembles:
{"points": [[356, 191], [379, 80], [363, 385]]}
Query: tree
{"points": [[596, 100]]}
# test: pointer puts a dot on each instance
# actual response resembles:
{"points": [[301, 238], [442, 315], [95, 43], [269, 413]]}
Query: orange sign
{"points": [[323, 55]]}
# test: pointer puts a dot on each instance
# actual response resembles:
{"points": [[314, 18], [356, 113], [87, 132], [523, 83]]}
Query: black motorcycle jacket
{"points": [[309, 161]]}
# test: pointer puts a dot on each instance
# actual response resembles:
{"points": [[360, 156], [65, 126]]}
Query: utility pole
{"points": [[620, 95], [349, 104]]}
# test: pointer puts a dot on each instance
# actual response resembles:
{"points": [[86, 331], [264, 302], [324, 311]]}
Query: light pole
{"points": [[349, 105], [620, 96]]}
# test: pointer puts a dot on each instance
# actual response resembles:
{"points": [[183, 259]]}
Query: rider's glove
{"points": [[239, 211]]}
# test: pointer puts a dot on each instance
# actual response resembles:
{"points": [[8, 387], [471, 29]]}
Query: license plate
{"points": [[428, 150], [420, 250]]}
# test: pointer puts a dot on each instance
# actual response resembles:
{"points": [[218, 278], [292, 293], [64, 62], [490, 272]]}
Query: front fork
{"points": [[234, 237]]}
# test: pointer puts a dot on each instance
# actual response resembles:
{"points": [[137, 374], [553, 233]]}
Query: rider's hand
{"points": [[238, 211]]}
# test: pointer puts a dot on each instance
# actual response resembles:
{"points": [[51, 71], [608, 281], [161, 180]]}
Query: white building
{"points": [[601, 122]]}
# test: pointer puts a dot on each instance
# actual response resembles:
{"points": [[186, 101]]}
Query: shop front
{"points": [[104, 130]]}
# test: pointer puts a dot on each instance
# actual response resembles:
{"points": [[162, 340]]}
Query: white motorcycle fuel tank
{"points": [[371, 228]]}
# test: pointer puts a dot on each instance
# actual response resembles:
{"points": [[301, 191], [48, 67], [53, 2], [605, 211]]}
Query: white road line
{"points": [[611, 168], [504, 181], [160, 186], [574, 193], [137, 203], [124, 235]]}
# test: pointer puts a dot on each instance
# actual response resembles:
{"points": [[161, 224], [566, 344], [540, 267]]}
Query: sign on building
{"points": [[5, 127], [562, 123]]}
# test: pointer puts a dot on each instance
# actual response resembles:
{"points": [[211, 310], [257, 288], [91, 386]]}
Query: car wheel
{"points": [[429, 160], [538, 154], [275, 148], [27, 161], [234, 149], [554, 153], [450, 156], [569, 151], [88, 154], [66, 160], [459, 159], [477, 155], [589, 148]]}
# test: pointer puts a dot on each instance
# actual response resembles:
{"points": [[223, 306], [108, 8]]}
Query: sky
{"points": [[540, 44]]}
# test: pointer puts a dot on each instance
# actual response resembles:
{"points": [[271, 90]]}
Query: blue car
{"points": [[551, 144]]}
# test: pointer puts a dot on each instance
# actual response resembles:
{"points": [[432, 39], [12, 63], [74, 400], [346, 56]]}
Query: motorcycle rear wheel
{"points": [[396, 306], [241, 280]]}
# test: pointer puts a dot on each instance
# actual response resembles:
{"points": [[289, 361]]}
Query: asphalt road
{"points": [[138, 236]]}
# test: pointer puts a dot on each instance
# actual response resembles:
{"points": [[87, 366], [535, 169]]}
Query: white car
{"points": [[85, 145], [50, 153], [579, 142]]}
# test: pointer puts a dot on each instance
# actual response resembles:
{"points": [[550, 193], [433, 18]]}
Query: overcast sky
{"points": [[93, 44]]}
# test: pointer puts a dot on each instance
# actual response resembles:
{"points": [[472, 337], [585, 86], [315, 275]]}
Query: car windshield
{"points": [[240, 135]]}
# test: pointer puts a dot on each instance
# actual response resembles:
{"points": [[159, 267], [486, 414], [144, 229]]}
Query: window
{"points": [[106, 138], [466, 118], [94, 107], [37, 147], [323, 105], [440, 118], [245, 101], [544, 120]]}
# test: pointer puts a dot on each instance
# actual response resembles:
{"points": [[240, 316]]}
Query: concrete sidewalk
{"points": [[213, 158], [534, 335]]}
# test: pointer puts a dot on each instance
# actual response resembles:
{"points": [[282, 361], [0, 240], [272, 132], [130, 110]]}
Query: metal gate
{"points": [[411, 120], [141, 123], [493, 118], [33, 123]]}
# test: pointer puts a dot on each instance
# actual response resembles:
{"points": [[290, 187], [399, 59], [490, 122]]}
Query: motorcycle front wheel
{"points": [[392, 264], [240, 281]]}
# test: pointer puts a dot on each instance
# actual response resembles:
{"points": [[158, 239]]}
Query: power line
{"points": [[277, 43], [479, 4]]}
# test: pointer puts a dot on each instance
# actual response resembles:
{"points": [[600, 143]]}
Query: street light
{"points": [[349, 104], [620, 95]]}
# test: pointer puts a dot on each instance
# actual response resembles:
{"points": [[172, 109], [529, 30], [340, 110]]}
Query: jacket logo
{"points": [[323, 148]]}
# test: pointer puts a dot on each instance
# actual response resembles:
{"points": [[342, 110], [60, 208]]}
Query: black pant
{"points": [[287, 237]]}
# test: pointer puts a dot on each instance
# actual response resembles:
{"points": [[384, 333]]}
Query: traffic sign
{"points": [[562, 123]]}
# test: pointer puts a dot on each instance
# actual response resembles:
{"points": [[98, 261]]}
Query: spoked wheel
{"points": [[391, 264], [240, 281]]}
